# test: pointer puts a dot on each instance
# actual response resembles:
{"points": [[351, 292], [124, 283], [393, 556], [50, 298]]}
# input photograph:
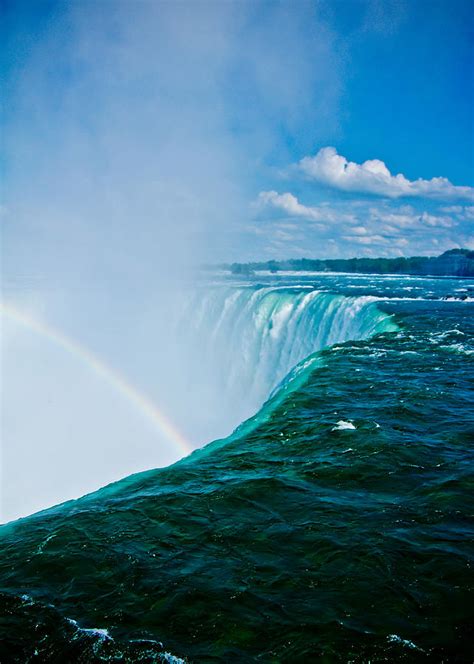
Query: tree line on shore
{"points": [[454, 262]]}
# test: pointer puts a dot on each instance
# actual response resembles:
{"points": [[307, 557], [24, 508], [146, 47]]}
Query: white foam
{"points": [[459, 299], [394, 638], [342, 425], [171, 659], [458, 348], [41, 546], [95, 631]]}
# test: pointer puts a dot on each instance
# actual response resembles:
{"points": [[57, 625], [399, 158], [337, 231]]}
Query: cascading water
{"points": [[245, 340]]}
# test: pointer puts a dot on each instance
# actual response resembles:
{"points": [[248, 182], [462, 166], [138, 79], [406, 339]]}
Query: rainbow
{"points": [[134, 397]]}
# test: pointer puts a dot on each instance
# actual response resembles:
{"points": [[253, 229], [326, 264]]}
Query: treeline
{"points": [[455, 262]]}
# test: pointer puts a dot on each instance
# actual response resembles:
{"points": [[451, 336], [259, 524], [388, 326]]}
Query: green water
{"points": [[297, 539]]}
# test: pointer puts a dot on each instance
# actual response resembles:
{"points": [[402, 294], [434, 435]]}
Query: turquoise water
{"points": [[335, 525]]}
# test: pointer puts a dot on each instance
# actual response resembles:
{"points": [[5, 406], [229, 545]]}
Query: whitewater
{"points": [[249, 338]]}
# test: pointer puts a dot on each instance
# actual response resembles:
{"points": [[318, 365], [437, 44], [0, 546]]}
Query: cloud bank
{"points": [[358, 227], [373, 177]]}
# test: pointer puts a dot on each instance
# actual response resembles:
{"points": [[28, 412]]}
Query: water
{"points": [[335, 525], [245, 338]]}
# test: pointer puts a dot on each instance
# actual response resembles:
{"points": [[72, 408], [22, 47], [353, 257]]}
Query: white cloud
{"points": [[369, 239], [465, 213], [403, 217], [359, 227], [289, 204], [410, 219], [359, 230], [373, 177]]}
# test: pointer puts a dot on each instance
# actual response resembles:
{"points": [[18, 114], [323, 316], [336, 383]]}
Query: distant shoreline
{"points": [[452, 263], [327, 273]]}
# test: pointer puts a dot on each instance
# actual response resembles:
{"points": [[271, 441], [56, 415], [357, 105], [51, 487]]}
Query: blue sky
{"points": [[409, 91], [141, 126]]}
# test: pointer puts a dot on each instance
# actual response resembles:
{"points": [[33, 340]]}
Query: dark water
{"points": [[335, 526]]}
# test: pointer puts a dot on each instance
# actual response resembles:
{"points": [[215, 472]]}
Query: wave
{"points": [[40, 632]]}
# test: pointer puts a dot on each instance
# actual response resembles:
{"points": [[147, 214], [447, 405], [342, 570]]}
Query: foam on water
{"points": [[342, 425], [93, 631], [394, 638]]}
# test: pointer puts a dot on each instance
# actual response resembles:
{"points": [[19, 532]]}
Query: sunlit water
{"points": [[333, 525]]}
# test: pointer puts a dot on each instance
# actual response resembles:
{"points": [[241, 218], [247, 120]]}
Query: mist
{"points": [[136, 139]]}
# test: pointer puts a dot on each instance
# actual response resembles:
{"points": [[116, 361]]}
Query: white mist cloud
{"points": [[64, 431], [134, 135], [373, 177]]}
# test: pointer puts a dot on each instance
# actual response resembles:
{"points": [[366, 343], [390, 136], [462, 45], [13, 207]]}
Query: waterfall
{"points": [[245, 340]]}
